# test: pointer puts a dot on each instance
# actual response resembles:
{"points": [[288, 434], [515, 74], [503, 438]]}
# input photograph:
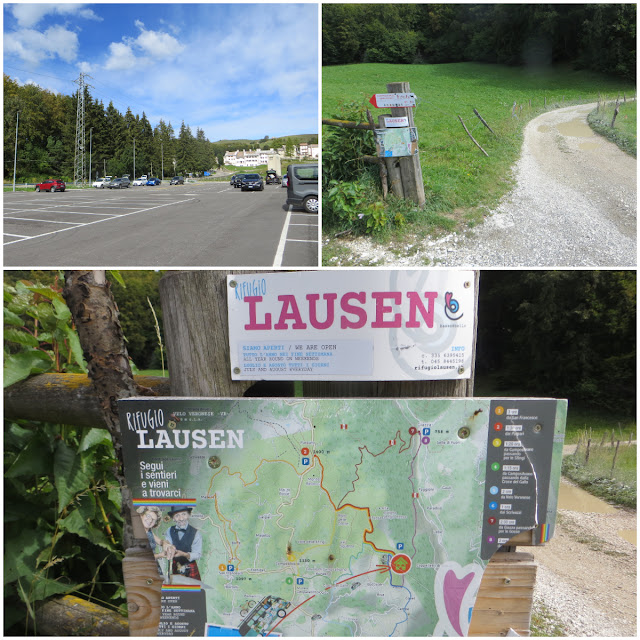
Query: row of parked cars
{"points": [[109, 182], [301, 181]]}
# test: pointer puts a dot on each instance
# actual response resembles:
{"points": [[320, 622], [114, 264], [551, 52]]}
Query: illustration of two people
{"points": [[182, 543]]}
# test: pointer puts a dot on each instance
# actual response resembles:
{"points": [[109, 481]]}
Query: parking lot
{"points": [[191, 225]]}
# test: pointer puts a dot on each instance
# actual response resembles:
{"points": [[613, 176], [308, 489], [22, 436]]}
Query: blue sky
{"points": [[233, 70]]}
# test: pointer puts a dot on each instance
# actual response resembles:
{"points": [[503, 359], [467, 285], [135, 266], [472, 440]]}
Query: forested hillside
{"points": [[598, 37], [47, 130]]}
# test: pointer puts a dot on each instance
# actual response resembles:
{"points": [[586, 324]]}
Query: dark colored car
{"points": [[51, 185], [272, 177], [119, 183], [152, 182], [177, 180], [302, 187], [236, 180], [252, 182]]}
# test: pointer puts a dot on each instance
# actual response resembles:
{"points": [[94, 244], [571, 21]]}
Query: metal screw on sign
{"points": [[236, 370], [149, 581], [460, 370], [464, 432], [233, 284], [537, 428], [467, 284], [507, 580]]}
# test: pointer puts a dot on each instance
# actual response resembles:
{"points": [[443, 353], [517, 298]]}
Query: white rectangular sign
{"points": [[383, 100], [396, 122], [351, 325]]}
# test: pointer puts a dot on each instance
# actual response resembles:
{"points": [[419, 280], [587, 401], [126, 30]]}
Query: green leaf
{"points": [[42, 588], [21, 337], [117, 276], [75, 347], [12, 319], [61, 310], [20, 553], [69, 477], [47, 292], [20, 366], [81, 522], [34, 459], [93, 438]]}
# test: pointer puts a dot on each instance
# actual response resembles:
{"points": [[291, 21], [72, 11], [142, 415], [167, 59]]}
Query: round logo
{"points": [[497, 442], [305, 451], [400, 563], [491, 520], [495, 466], [498, 426], [499, 411]]}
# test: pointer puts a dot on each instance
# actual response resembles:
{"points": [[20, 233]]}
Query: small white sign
{"points": [[351, 325], [383, 100], [396, 122]]}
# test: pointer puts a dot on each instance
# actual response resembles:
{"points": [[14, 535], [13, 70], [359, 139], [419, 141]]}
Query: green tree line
{"points": [[47, 130], [597, 37]]}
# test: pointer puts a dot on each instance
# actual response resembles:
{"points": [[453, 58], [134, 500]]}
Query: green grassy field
{"points": [[460, 182]]}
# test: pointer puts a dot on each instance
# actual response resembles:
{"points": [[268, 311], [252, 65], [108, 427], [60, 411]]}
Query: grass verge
{"points": [[624, 133], [544, 624], [604, 473]]}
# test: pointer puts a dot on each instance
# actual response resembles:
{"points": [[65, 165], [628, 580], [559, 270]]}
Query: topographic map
{"points": [[339, 517]]}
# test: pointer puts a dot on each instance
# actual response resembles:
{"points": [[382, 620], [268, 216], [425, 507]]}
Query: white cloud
{"points": [[34, 46], [158, 44], [28, 15], [121, 57]]}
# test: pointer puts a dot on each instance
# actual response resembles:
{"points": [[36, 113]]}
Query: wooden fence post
{"points": [[412, 182]]}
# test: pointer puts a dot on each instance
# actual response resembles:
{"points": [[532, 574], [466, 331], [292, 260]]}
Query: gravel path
{"points": [[574, 204], [587, 574]]}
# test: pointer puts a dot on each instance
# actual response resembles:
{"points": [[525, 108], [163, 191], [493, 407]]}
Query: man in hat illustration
{"points": [[186, 543]]}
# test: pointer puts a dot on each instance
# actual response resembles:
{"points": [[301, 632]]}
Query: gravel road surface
{"points": [[574, 204]]}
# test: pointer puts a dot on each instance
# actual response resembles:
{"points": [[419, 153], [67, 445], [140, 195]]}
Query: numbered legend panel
{"points": [[519, 453]]}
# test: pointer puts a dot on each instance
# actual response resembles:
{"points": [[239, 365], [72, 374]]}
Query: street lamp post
{"points": [[15, 155], [134, 158], [90, 139], [162, 158]]}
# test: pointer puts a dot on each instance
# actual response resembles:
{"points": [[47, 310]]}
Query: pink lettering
{"points": [[381, 309], [313, 312], [253, 325], [416, 304], [345, 323], [289, 301]]}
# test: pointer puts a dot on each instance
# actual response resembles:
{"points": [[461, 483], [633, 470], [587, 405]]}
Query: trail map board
{"points": [[347, 517]]}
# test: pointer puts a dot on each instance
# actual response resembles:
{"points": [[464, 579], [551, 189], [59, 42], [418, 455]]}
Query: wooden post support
{"points": [[412, 182], [393, 167], [143, 585], [505, 597], [472, 138]]}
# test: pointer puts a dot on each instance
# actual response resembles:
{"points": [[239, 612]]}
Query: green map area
{"points": [[330, 517]]}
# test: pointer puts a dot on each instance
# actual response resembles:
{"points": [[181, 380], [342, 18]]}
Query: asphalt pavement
{"points": [[192, 225]]}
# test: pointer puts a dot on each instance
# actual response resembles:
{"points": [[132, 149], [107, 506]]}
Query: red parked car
{"points": [[51, 185]]}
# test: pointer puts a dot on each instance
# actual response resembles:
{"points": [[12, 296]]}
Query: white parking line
{"points": [[77, 224], [14, 235], [99, 221], [277, 262]]}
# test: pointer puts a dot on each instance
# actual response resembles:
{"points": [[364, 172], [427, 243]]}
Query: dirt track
{"points": [[587, 573], [574, 204]]}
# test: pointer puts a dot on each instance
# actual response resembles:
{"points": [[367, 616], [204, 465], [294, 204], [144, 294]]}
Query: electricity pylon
{"points": [[79, 165]]}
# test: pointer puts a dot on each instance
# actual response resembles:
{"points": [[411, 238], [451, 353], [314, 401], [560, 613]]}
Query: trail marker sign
{"points": [[385, 100]]}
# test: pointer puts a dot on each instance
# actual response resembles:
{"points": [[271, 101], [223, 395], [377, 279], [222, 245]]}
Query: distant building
{"points": [[253, 158]]}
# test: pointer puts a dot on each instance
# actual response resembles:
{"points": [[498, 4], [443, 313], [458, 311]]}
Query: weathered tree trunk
{"points": [[95, 314]]}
